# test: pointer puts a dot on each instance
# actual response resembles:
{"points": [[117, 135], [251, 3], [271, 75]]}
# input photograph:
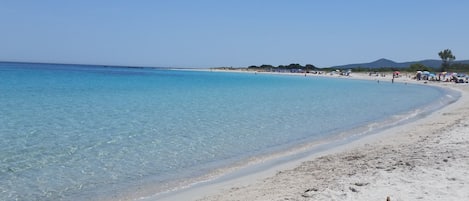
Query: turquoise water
{"points": [[73, 132]]}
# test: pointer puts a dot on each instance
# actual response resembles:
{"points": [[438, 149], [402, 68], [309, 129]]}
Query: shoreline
{"points": [[246, 186]]}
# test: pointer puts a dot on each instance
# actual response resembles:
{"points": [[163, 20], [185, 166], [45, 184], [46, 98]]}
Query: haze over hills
{"points": [[380, 63]]}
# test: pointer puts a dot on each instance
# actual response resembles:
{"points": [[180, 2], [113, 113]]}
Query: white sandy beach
{"points": [[427, 159]]}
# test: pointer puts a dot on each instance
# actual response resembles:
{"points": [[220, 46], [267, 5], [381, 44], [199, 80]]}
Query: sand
{"points": [[427, 159]]}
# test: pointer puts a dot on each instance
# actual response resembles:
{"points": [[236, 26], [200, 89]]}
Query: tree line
{"points": [[306, 67], [447, 65]]}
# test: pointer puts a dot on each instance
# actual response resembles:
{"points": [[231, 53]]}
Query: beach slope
{"points": [[427, 159]]}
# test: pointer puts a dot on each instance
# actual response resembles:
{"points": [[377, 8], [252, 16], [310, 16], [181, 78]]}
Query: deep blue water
{"points": [[71, 132]]}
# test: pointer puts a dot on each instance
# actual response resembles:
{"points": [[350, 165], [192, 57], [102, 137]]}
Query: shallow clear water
{"points": [[73, 132]]}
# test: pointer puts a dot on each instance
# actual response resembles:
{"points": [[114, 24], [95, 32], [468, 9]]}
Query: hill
{"points": [[380, 63]]}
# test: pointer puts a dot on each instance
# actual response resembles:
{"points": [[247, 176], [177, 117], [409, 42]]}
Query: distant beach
{"points": [[426, 159]]}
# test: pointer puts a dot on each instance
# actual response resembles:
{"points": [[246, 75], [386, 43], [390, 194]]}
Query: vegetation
{"points": [[457, 67], [382, 69], [446, 57], [417, 67], [293, 66]]}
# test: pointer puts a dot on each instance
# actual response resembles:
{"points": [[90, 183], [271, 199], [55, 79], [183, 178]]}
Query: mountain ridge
{"points": [[382, 63]]}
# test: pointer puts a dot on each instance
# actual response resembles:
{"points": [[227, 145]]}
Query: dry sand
{"points": [[427, 159]]}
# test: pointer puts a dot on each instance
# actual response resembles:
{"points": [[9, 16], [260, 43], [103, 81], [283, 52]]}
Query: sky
{"points": [[231, 33]]}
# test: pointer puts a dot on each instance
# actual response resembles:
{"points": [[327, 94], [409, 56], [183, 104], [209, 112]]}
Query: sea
{"points": [[83, 132]]}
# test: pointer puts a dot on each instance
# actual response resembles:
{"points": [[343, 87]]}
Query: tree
{"points": [[266, 66], [310, 67], [446, 57], [295, 66]]}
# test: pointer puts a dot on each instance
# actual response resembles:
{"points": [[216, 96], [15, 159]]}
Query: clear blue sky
{"points": [[238, 33]]}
